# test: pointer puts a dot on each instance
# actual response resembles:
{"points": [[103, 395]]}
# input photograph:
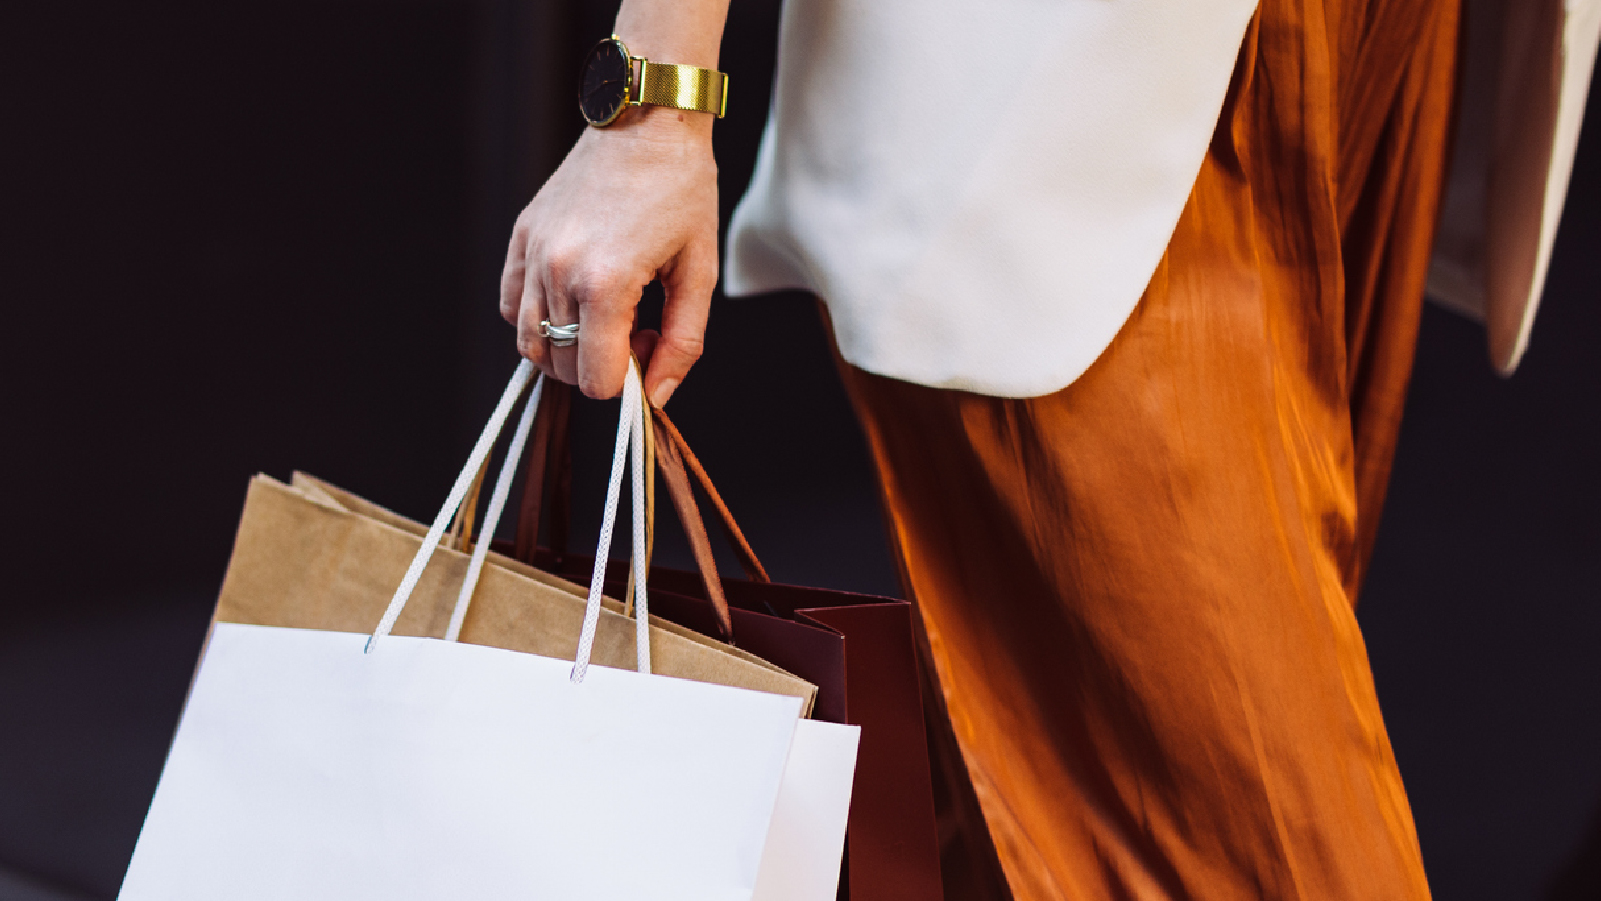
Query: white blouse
{"points": [[980, 192]]}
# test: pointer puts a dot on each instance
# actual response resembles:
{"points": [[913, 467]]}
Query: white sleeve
{"points": [[1526, 79]]}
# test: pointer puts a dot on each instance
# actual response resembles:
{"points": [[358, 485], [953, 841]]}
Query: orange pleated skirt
{"points": [[1138, 592]]}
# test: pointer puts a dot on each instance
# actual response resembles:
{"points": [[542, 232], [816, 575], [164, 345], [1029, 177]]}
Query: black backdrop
{"points": [[240, 238]]}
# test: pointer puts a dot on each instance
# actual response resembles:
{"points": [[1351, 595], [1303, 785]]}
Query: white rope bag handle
{"points": [[630, 434]]}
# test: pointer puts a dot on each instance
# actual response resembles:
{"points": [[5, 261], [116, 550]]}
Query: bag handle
{"points": [[667, 433], [546, 476], [672, 468], [497, 503], [630, 436], [453, 501]]}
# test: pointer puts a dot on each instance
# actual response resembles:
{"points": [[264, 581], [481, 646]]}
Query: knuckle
{"points": [[555, 267], [710, 273], [562, 260], [602, 281], [597, 387], [530, 347], [514, 262], [688, 347], [512, 274]]}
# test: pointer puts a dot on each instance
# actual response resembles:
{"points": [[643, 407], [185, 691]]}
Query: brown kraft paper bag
{"points": [[311, 556]]}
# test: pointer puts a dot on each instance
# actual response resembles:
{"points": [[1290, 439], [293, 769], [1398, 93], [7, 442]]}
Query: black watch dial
{"points": [[604, 84]]}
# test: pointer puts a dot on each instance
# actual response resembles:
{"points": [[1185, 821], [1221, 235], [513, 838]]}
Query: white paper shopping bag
{"points": [[323, 765], [305, 769], [807, 838]]}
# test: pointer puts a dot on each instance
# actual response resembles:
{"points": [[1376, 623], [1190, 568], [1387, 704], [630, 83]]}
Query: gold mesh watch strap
{"points": [[683, 87]]}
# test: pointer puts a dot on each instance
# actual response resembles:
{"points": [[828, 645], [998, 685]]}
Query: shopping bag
{"points": [[858, 649], [802, 859], [329, 763], [310, 555]]}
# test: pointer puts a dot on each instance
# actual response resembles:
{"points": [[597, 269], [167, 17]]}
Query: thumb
{"points": [[689, 287]]}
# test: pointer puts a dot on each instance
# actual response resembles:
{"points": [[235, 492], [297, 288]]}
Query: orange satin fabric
{"points": [[1138, 592]]}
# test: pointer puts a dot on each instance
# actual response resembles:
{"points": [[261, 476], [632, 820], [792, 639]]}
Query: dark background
{"points": [[239, 238]]}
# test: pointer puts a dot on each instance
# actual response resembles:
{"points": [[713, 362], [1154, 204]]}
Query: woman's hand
{"points": [[633, 202]]}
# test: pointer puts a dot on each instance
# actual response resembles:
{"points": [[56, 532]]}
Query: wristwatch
{"points": [[609, 85]]}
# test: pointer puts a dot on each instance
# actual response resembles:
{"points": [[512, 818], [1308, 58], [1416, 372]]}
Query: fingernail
{"points": [[663, 391]]}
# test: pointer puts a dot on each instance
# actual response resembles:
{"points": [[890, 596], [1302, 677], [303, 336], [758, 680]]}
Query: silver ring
{"points": [[559, 335]]}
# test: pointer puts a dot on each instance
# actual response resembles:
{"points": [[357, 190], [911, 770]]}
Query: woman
{"points": [[1126, 297]]}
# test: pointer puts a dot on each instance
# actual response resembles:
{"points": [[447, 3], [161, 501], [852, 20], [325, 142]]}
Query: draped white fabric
{"points": [[980, 192]]}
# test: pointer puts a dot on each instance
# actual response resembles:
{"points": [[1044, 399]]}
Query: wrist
{"points": [[618, 85], [687, 33], [662, 124], [684, 50]]}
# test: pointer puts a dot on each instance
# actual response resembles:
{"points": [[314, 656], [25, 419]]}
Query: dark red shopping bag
{"points": [[858, 649]]}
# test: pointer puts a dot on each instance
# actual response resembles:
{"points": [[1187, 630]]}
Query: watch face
{"points": [[605, 82]]}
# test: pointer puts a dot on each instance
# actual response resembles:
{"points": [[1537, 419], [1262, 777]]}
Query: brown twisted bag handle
{"points": [[547, 474], [667, 435]]}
